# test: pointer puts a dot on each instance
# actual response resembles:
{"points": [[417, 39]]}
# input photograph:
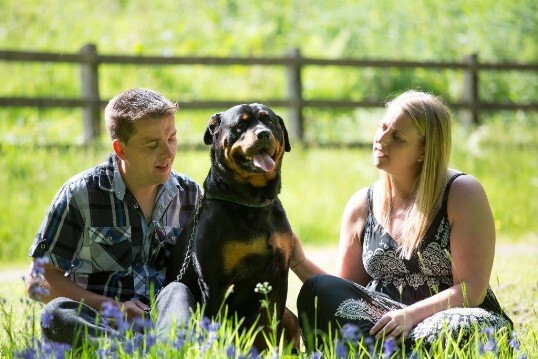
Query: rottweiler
{"points": [[240, 235]]}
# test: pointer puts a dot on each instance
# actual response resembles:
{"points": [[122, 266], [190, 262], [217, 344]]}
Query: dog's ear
{"points": [[287, 146], [212, 126]]}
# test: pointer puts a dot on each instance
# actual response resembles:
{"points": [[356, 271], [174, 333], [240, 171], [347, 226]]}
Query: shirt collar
{"points": [[111, 180]]}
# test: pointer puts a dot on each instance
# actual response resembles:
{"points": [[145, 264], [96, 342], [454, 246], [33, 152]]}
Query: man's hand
{"points": [[133, 309]]}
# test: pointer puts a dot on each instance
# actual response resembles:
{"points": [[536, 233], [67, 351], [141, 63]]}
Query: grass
{"points": [[316, 184], [19, 318]]}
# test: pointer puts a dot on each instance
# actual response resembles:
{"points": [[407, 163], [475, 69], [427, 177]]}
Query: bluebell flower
{"points": [[46, 319], [204, 323], [37, 291], [389, 347], [27, 353], [514, 341], [370, 344], [341, 350], [316, 355], [142, 324], [254, 353], [151, 340], [59, 350], [129, 346], [179, 341], [230, 351], [350, 332], [489, 331]]}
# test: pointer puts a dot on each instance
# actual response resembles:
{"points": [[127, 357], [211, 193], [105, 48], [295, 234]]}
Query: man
{"points": [[109, 229]]}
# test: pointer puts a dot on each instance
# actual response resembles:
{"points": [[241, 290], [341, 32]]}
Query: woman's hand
{"points": [[395, 324]]}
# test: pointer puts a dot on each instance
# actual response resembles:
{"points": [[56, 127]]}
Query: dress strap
{"points": [[369, 199], [447, 187]]}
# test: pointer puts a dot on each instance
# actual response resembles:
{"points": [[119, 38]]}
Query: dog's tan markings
{"points": [[235, 251], [282, 242], [244, 117]]}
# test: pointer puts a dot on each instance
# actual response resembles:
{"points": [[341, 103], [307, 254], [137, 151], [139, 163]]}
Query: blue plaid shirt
{"points": [[95, 231]]}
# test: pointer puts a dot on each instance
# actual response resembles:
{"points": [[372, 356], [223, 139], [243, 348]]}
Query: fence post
{"points": [[295, 93], [470, 115], [91, 112]]}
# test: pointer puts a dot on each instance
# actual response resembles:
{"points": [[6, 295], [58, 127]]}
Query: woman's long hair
{"points": [[433, 119]]}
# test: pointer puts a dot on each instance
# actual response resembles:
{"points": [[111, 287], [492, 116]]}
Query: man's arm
{"points": [[58, 285]]}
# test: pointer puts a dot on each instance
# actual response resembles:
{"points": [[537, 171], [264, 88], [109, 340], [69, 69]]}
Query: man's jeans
{"points": [[75, 323]]}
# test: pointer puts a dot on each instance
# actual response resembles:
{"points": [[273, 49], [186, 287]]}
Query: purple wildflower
{"points": [[141, 324], [151, 340], [389, 347], [59, 350], [39, 266], [316, 355], [490, 345], [230, 351], [26, 353], [489, 331], [180, 341], [254, 353], [514, 341], [46, 319], [37, 291], [341, 350], [205, 323], [129, 346], [350, 332], [370, 344]]}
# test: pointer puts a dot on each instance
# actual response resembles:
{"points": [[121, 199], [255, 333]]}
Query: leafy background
{"points": [[501, 152]]}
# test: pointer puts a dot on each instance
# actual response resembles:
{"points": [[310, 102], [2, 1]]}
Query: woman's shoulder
{"points": [[463, 182], [357, 204], [464, 189]]}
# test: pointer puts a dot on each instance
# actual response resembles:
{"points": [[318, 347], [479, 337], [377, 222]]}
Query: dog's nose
{"points": [[263, 135]]}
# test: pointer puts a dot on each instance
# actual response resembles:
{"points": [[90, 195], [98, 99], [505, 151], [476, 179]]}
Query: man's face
{"points": [[148, 156]]}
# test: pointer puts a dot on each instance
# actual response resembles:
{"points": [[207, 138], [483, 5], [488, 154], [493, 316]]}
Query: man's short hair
{"points": [[132, 105]]}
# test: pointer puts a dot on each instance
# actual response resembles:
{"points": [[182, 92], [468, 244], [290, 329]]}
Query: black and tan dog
{"points": [[241, 235]]}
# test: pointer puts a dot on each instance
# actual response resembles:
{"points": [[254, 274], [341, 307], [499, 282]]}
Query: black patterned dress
{"points": [[395, 283]]}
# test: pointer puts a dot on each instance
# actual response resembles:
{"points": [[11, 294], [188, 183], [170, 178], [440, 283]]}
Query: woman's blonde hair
{"points": [[433, 119]]}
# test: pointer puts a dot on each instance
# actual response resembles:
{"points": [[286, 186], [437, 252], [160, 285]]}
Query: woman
{"points": [[416, 248]]}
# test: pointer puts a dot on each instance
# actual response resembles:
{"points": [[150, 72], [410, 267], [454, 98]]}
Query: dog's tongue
{"points": [[264, 161]]}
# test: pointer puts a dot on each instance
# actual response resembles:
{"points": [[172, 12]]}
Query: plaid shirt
{"points": [[96, 232]]}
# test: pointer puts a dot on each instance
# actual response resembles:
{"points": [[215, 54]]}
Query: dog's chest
{"points": [[240, 238]]}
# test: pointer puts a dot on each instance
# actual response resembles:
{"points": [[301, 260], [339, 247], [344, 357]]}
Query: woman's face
{"points": [[397, 146]]}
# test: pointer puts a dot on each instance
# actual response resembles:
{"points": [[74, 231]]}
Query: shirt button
{"points": [[136, 206]]}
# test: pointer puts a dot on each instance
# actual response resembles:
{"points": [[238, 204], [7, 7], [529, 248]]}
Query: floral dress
{"points": [[397, 282]]}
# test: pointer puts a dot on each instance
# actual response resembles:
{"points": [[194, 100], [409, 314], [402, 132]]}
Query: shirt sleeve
{"points": [[60, 232]]}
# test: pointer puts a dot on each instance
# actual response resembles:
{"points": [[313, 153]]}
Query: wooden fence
{"points": [[89, 60]]}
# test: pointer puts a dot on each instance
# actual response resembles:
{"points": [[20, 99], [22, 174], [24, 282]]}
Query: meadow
{"points": [[316, 185], [40, 148]]}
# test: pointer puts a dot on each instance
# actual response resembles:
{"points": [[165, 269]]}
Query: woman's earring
{"points": [[420, 159]]}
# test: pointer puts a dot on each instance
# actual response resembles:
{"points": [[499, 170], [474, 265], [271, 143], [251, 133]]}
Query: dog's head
{"points": [[250, 140]]}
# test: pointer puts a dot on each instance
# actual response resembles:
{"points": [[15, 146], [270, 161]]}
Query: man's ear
{"points": [[119, 149], [212, 128]]}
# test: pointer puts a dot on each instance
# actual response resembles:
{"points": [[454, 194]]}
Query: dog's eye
{"points": [[269, 121]]}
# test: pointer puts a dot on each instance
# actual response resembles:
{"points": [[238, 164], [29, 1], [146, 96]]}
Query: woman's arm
{"points": [[472, 246], [349, 263]]}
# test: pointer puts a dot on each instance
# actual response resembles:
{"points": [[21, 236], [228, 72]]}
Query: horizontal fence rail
{"points": [[91, 103]]}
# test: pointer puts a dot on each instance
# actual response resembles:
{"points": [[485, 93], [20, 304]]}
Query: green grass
{"points": [[19, 316]]}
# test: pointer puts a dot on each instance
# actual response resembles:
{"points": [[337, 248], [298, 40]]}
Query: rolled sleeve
{"points": [[60, 233]]}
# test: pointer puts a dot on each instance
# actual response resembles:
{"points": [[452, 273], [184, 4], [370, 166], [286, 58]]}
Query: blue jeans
{"points": [[75, 323]]}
